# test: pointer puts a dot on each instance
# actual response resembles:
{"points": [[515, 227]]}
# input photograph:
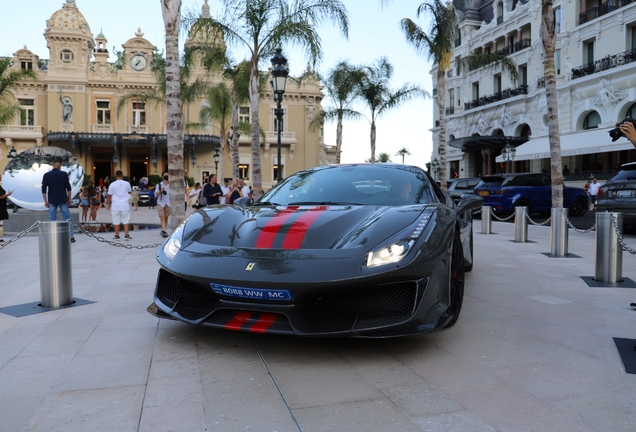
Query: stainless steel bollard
{"points": [[56, 278], [521, 225], [486, 220], [608, 265], [559, 233]]}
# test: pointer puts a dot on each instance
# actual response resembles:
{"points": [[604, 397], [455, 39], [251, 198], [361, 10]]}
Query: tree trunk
{"points": [[548, 36], [339, 138], [235, 137], [257, 179], [373, 141], [171, 10], [441, 114]]}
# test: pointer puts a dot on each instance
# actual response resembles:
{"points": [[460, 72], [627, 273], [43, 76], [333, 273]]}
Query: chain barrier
{"points": [[114, 242], [476, 212], [492, 212], [525, 211], [35, 225], [580, 231], [620, 236]]}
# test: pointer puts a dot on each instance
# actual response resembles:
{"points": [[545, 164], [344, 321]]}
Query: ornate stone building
{"points": [[596, 65], [74, 105]]}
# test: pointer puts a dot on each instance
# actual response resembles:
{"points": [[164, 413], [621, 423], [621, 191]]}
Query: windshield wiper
{"points": [[265, 203], [322, 203]]}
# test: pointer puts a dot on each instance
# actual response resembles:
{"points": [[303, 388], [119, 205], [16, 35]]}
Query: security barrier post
{"points": [[559, 233], [609, 253], [521, 225], [56, 278], [486, 220]]}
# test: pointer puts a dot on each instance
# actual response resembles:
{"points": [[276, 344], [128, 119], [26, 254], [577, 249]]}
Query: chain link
{"points": [[580, 231], [492, 212], [620, 236], [544, 223], [114, 243], [476, 212], [35, 225]]}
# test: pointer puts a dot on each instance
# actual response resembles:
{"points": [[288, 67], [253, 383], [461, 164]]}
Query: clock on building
{"points": [[138, 62]]}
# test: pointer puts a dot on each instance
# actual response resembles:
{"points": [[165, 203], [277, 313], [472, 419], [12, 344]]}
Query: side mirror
{"points": [[469, 202]]}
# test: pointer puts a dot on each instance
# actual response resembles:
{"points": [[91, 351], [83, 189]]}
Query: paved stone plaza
{"points": [[532, 351]]}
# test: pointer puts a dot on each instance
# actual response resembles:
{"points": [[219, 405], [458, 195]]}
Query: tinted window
{"points": [[627, 172], [488, 182], [375, 184]]}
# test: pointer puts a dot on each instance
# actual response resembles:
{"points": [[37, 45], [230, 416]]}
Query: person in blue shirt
{"points": [[56, 192]]}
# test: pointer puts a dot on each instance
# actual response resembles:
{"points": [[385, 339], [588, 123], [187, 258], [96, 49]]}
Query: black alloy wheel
{"points": [[579, 207], [456, 282]]}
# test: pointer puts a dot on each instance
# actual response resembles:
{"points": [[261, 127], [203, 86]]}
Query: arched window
{"points": [[523, 130], [498, 132], [631, 112], [592, 120]]}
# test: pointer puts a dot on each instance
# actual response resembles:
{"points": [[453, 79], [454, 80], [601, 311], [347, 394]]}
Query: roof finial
{"points": [[70, 3], [206, 10]]}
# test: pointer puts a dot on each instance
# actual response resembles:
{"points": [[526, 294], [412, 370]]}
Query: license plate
{"points": [[483, 193], [251, 293], [624, 193]]}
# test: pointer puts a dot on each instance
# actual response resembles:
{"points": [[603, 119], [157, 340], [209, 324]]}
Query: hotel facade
{"points": [[73, 104], [596, 77]]}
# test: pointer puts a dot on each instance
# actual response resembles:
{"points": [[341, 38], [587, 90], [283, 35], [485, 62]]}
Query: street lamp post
{"points": [[279, 80], [216, 160], [12, 153], [508, 155], [435, 167]]}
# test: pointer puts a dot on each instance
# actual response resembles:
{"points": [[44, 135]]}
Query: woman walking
{"points": [[94, 197], [4, 214], [85, 202]]}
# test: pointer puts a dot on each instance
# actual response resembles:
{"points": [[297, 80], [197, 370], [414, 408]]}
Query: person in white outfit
{"points": [[118, 203]]}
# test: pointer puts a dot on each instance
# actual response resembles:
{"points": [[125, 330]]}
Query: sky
{"points": [[374, 32]]}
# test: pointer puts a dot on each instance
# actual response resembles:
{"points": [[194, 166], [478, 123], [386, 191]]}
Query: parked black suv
{"points": [[619, 194]]}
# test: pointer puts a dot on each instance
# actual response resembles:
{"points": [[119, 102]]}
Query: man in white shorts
{"points": [[118, 203]]}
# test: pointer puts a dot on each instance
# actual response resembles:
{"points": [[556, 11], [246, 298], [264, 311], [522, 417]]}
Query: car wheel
{"points": [[456, 282], [579, 207]]}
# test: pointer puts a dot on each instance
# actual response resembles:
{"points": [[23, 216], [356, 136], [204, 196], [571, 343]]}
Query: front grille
{"points": [[172, 289], [385, 302]]}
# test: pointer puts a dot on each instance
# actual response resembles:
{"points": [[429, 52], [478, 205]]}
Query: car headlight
{"points": [[173, 244], [397, 250]]}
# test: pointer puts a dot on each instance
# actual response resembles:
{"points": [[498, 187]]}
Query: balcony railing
{"points": [[605, 63], [21, 129], [601, 10], [449, 73], [517, 46], [450, 110], [272, 136], [504, 94], [102, 128], [141, 129]]}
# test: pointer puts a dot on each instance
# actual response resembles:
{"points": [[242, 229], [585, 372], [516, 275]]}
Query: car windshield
{"points": [[627, 172], [376, 184]]}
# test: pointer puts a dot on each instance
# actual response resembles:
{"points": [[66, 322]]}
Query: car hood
{"points": [[296, 227]]}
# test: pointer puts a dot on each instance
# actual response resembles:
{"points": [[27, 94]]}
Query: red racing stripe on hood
{"points": [[298, 230], [268, 234]]}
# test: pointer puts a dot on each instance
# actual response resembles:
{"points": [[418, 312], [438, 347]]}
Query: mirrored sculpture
{"points": [[23, 175]]}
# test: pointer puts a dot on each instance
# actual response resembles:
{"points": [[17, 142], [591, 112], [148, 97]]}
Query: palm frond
{"points": [[490, 61]]}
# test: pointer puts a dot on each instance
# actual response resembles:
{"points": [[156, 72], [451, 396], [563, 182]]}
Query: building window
{"points": [[631, 112], [459, 96], [26, 65], [282, 121], [282, 173], [588, 52], [27, 112], [592, 120], [451, 97], [66, 56], [244, 171], [523, 74], [458, 65], [244, 114], [497, 83], [103, 112], [633, 37], [139, 113], [476, 90], [557, 19], [557, 61]]}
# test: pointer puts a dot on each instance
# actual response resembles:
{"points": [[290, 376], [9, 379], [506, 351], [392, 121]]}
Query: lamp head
{"points": [[279, 72]]}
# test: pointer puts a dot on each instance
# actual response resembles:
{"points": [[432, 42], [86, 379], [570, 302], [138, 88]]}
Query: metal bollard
{"points": [[56, 278], [521, 225], [559, 233], [486, 220], [608, 265]]}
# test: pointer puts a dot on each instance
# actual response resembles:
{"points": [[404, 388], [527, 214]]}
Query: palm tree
{"points": [[171, 11], [383, 158], [374, 91], [403, 152], [9, 80], [261, 26], [438, 45], [340, 86], [548, 37]]}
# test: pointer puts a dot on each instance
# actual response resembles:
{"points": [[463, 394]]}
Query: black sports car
{"points": [[371, 250]]}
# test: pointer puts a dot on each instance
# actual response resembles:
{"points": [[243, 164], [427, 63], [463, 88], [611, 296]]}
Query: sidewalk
{"points": [[533, 350]]}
